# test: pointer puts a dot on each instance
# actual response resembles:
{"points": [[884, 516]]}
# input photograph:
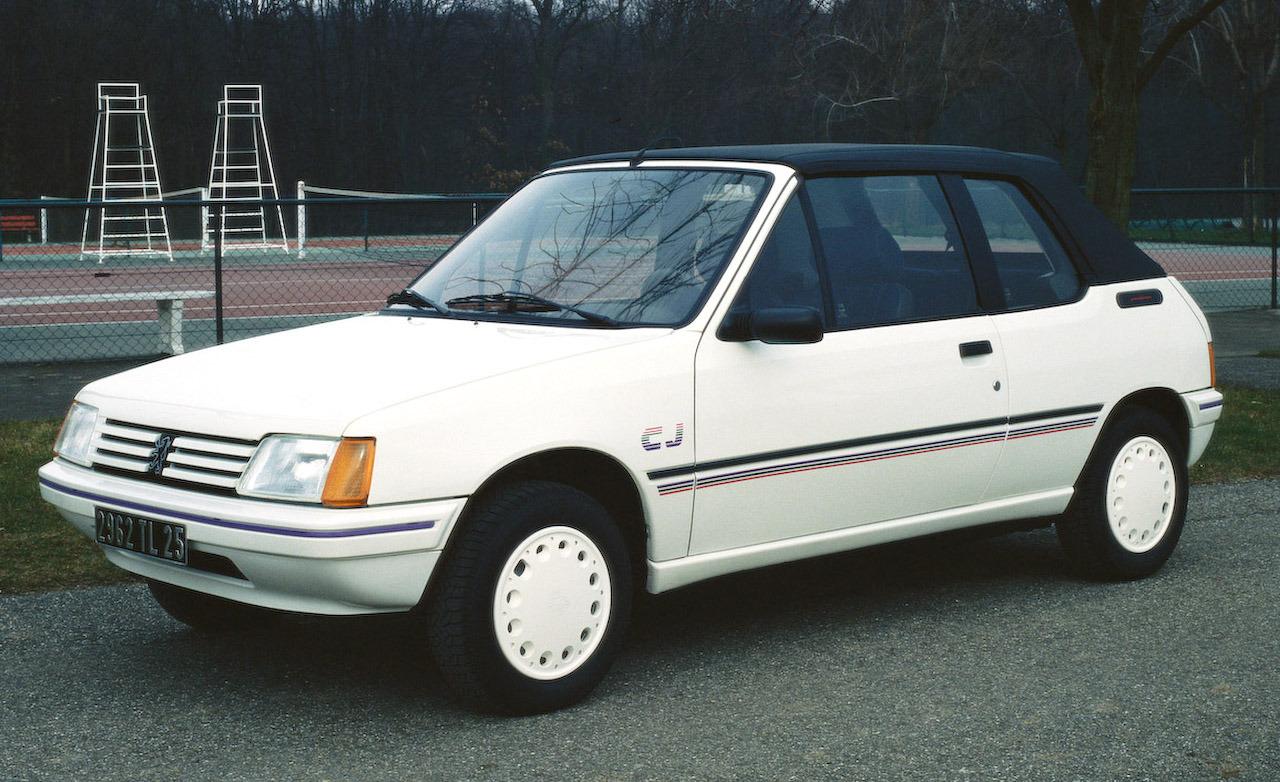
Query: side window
{"points": [[1033, 268], [786, 272], [892, 249]]}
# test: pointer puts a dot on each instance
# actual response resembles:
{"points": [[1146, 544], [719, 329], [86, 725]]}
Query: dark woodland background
{"points": [[447, 95]]}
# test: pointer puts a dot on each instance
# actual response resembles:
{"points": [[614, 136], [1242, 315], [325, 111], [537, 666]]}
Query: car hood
{"points": [[316, 380]]}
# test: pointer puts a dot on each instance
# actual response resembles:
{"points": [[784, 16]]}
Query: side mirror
{"points": [[785, 325]]}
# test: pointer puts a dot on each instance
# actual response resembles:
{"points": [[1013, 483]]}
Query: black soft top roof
{"points": [[1109, 254]]}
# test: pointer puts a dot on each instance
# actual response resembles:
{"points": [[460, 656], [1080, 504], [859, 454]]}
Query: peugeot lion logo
{"points": [[164, 443]]}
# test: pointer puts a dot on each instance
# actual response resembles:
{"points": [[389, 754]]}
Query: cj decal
{"points": [[651, 438]]}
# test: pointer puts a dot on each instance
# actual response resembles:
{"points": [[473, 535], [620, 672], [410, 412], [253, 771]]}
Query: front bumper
{"points": [[293, 557], [1204, 408]]}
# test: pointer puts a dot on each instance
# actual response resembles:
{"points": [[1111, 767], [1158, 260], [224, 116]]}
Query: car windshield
{"points": [[607, 247]]}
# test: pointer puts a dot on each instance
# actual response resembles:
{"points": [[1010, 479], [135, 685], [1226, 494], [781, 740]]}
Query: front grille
{"points": [[195, 460]]}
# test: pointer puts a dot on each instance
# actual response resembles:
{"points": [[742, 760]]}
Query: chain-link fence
{"points": [[82, 280], [1220, 242]]}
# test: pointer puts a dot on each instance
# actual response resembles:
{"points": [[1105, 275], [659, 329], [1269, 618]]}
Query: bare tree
{"points": [[1048, 77], [895, 66], [551, 27], [1110, 34], [1250, 31]]}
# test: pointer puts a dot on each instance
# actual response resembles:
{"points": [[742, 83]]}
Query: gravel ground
{"points": [[938, 660]]}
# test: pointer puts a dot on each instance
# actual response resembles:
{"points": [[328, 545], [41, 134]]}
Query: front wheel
{"points": [[1131, 501], [532, 602]]}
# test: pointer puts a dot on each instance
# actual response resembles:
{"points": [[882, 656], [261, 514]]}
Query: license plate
{"points": [[160, 539]]}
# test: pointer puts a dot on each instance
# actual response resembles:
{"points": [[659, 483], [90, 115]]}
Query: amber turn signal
{"points": [[1213, 369], [350, 474]]}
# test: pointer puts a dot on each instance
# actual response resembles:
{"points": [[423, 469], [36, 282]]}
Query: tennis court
{"points": [[57, 304]]}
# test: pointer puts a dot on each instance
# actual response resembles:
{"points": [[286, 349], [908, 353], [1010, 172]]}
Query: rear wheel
{"points": [[1131, 501], [531, 605], [209, 614]]}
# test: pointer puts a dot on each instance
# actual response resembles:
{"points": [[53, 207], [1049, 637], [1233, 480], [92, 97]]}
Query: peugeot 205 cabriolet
{"points": [[648, 369]]}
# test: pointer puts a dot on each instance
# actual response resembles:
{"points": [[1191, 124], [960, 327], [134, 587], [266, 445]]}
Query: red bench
{"points": [[19, 223]]}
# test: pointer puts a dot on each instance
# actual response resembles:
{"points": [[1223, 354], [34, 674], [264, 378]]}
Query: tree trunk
{"points": [[1260, 143], [1113, 134], [1110, 39]]}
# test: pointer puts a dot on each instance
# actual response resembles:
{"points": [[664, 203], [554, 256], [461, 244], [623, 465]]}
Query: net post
{"points": [[302, 219], [475, 213], [1275, 245], [217, 276], [44, 222]]}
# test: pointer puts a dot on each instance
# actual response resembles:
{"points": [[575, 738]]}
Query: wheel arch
{"points": [[1164, 402], [590, 471]]}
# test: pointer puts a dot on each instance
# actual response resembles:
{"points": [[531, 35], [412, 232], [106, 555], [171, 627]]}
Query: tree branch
{"points": [[1171, 38], [1085, 24]]}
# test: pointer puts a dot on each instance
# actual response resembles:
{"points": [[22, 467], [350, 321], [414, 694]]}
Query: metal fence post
{"points": [[1275, 242], [302, 219], [365, 219], [217, 274], [1, 239]]}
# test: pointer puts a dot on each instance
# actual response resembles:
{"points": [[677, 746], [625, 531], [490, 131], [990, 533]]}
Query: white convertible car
{"points": [[648, 369]]}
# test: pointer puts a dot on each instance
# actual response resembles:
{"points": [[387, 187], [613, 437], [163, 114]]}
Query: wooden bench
{"points": [[24, 223], [168, 308]]}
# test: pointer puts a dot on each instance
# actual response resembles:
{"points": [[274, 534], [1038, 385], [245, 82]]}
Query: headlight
{"points": [[75, 439], [310, 469]]}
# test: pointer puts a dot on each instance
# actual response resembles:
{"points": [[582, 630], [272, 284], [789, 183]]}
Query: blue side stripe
{"points": [[240, 525], [1058, 425], [902, 449], [855, 458], [1211, 405]]}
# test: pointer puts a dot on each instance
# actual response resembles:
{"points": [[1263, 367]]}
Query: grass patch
{"points": [[40, 551], [1245, 442]]}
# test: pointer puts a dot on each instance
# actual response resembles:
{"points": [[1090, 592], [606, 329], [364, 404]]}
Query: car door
{"points": [[1053, 336], [899, 409]]}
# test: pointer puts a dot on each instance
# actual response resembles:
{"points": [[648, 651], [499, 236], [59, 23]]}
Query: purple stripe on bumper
{"points": [[240, 525]]}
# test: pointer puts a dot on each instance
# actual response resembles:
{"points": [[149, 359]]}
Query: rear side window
{"points": [[1033, 268], [892, 250]]}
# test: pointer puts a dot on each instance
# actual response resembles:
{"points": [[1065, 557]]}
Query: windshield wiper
{"points": [[414, 299], [516, 297]]}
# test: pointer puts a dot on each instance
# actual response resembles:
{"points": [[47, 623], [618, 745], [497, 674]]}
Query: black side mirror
{"points": [[786, 325]]}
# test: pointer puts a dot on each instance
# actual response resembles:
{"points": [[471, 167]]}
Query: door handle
{"points": [[970, 349]]}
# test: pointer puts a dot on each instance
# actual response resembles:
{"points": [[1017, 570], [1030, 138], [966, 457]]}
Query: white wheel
{"points": [[532, 603], [1141, 494], [552, 602]]}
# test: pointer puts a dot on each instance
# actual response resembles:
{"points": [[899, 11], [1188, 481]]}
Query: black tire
{"points": [[458, 610], [1085, 530], [210, 614]]}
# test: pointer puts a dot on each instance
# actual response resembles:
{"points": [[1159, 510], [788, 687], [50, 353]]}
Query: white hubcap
{"points": [[1140, 494], [551, 606]]}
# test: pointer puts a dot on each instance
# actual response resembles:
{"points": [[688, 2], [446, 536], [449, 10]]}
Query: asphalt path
{"points": [[951, 659]]}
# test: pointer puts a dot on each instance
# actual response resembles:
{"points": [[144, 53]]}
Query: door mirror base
{"points": [[785, 326]]}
